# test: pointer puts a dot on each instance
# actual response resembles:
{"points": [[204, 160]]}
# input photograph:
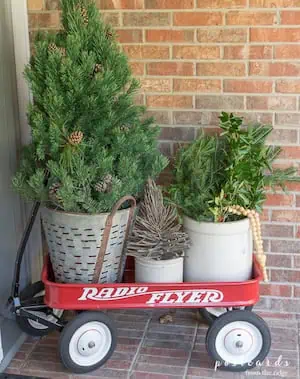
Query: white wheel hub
{"points": [[51, 318], [90, 343], [239, 342], [57, 313]]}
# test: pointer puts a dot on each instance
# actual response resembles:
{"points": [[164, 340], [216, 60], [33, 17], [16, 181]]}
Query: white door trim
{"points": [[22, 55], [34, 258]]}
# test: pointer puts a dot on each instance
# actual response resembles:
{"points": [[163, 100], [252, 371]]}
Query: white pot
{"points": [[165, 271], [219, 251]]}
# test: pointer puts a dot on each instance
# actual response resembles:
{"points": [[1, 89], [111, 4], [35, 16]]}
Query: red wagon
{"points": [[149, 295], [237, 340]]}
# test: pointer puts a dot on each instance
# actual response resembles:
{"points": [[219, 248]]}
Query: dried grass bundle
{"points": [[157, 233]]}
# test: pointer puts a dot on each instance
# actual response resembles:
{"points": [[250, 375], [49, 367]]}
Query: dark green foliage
{"points": [[198, 176], [82, 82], [215, 172]]}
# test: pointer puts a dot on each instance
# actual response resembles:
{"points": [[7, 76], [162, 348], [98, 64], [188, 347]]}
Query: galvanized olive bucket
{"points": [[86, 248]]}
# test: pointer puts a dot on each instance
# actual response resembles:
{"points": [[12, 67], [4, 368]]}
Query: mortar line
{"points": [[29, 353], [278, 16], [121, 19], [136, 356], [191, 351]]}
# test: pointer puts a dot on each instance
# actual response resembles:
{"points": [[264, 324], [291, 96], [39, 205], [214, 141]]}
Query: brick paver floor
{"points": [[149, 350]]}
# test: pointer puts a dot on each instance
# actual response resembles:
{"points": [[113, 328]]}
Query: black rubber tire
{"points": [[29, 292], [238, 315], [71, 328], [210, 318]]}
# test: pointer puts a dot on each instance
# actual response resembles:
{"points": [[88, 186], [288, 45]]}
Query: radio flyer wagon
{"points": [[237, 340]]}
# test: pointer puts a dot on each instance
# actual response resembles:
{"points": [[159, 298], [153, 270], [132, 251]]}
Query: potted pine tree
{"points": [[91, 145]]}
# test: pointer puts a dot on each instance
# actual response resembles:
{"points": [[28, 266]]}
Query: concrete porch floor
{"points": [[149, 350]]}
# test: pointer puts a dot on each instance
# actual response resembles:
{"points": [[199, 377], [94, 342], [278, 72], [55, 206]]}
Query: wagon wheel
{"points": [[32, 327], [238, 340], [211, 314], [87, 342]]}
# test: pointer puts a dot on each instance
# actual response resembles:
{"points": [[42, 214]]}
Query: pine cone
{"points": [[98, 68], [53, 192], [84, 15], [54, 188], [105, 185], [124, 128], [109, 34], [52, 47], [75, 138], [107, 179], [101, 187], [62, 51]]}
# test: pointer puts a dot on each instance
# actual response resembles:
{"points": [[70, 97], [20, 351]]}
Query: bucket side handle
{"points": [[106, 234]]}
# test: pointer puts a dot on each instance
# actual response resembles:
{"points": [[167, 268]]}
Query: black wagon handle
{"points": [[23, 243], [106, 234]]}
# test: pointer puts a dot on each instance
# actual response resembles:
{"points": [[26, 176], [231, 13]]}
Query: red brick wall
{"points": [[196, 58]]}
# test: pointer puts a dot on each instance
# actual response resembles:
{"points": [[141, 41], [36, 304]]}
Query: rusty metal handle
{"points": [[117, 206], [106, 234]]}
